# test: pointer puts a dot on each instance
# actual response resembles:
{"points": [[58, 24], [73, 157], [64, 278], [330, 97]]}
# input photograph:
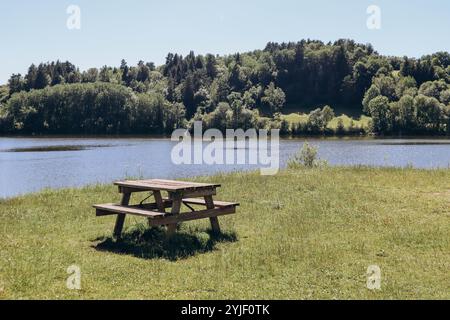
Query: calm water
{"points": [[91, 160]]}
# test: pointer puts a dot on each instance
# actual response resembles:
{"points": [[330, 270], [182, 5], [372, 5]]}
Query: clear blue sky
{"points": [[35, 31]]}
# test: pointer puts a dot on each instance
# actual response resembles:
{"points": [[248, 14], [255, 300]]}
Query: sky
{"points": [[36, 31]]}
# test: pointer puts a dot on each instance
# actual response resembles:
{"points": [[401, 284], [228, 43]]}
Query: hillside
{"points": [[254, 89]]}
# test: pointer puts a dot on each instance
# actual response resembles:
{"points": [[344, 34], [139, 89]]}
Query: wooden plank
{"points": [[160, 184], [153, 206], [120, 209], [185, 183], [100, 213], [199, 193], [203, 202], [144, 206], [192, 216]]}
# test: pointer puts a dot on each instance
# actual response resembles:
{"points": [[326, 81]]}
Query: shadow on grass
{"points": [[151, 243]]}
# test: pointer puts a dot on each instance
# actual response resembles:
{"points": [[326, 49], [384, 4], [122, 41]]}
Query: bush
{"points": [[318, 119], [306, 157]]}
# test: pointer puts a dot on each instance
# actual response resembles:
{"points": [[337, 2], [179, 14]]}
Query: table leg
{"points": [[121, 216], [159, 202], [214, 220], [176, 206]]}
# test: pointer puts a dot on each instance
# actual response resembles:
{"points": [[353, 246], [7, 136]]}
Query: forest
{"points": [[302, 87]]}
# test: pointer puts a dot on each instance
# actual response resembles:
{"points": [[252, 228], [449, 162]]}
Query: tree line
{"points": [[251, 89]]}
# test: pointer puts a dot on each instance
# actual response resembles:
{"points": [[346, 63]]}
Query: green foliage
{"points": [[340, 127], [433, 88], [274, 98], [406, 113], [428, 112], [318, 119], [396, 105], [445, 97], [307, 73], [380, 112], [372, 93], [225, 117], [406, 86], [386, 85], [306, 157], [90, 108]]}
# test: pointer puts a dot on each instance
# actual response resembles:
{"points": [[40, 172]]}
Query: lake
{"points": [[31, 164]]}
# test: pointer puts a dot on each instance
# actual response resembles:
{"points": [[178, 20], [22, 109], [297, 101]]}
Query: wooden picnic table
{"points": [[178, 193]]}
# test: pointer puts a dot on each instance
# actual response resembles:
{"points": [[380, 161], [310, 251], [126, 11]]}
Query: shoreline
{"points": [[221, 174], [167, 137]]}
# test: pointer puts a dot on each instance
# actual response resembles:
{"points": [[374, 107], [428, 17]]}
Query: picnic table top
{"points": [[165, 185]]}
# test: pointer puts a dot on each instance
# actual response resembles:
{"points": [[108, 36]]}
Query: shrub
{"points": [[306, 157]]}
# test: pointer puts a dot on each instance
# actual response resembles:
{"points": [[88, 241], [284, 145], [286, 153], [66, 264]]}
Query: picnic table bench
{"points": [[178, 193]]}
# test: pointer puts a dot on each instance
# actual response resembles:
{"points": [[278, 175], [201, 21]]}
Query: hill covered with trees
{"points": [[401, 95]]}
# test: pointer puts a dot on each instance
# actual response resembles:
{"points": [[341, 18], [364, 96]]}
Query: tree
{"points": [[30, 77], [445, 97], [211, 69], [16, 83], [318, 119], [42, 79], [174, 116], [428, 112], [220, 89], [252, 96], [447, 119], [143, 73], [406, 85], [202, 98], [274, 98], [150, 66], [433, 88], [105, 74], [91, 75], [407, 67], [188, 97], [386, 84], [124, 68], [235, 100], [237, 79], [218, 119], [370, 94], [327, 114], [381, 115], [340, 128], [406, 117], [74, 77]]}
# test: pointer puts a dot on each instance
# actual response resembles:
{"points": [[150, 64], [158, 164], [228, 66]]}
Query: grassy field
{"points": [[361, 122], [352, 111], [302, 234]]}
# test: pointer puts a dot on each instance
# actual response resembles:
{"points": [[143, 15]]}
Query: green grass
{"points": [[302, 234], [339, 109], [294, 118], [362, 122]]}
